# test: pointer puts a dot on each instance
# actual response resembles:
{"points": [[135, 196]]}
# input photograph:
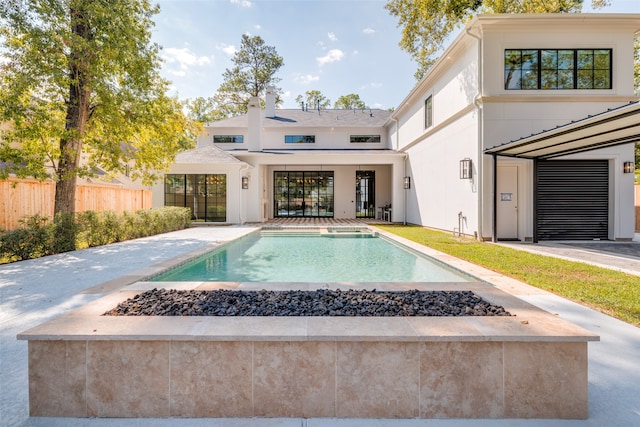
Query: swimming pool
{"points": [[329, 257]]}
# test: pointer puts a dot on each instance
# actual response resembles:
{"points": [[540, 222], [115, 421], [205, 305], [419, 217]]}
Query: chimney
{"points": [[270, 102], [254, 134]]}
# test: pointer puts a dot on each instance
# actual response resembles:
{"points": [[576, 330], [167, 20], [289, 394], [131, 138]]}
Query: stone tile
{"points": [[211, 286], [444, 329], [254, 328], [275, 286], [128, 379], [360, 329], [502, 328], [294, 379], [545, 380], [148, 286], [211, 379], [377, 380], [461, 380], [57, 378]]}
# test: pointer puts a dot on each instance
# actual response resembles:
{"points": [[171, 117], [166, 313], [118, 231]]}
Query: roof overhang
{"points": [[614, 127]]}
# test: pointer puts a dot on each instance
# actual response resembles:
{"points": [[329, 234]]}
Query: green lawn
{"points": [[611, 292]]}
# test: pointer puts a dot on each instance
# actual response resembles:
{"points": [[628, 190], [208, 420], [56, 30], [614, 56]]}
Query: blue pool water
{"points": [[313, 258]]}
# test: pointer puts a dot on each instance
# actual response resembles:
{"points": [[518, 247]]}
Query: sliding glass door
{"points": [[303, 194]]}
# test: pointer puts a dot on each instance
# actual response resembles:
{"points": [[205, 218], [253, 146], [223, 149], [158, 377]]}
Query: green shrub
{"points": [[31, 240], [37, 237], [64, 233]]}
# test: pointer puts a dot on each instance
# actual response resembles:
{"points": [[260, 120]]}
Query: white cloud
{"points": [[184, 58], [332, 37], [333, 55], [306, 79], [229, 49], [243, 3], [368, 31]]}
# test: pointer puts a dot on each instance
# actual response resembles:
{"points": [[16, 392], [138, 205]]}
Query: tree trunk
{"points": [[77, 114]]}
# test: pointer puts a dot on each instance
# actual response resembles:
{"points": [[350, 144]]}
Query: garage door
{"points": [[572, 200]]}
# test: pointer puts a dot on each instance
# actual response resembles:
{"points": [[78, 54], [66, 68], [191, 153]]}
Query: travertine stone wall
{"points": [[360, 379]]}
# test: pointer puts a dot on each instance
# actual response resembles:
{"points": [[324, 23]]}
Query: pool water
{"points": [[313, 258]]}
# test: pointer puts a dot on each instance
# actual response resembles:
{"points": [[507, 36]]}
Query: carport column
{"points": [[494, 236], [535, 200]]}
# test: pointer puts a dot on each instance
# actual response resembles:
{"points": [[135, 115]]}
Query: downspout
{"points": [[477, 101]]}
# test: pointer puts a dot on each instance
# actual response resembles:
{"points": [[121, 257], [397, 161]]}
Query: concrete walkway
{"points": [[34, 291]]}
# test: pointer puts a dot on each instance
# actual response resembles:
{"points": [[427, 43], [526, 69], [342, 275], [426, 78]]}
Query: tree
{"points": [[81, 90], [314, 98], [203, 110], [255, 66], [349, 102], [427, 24]]}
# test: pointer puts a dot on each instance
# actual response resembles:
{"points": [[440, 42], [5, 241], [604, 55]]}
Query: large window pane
{"points": [[303, 194], [203, 194], [550, 69]]}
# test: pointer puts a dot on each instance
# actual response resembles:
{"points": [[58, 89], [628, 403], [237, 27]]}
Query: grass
{"points": [[612, 292]]}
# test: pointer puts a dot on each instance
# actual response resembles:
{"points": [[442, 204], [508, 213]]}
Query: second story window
{"points": [[299, 139], [428, 112], [550, 69], [228, 139], [364, 138]]}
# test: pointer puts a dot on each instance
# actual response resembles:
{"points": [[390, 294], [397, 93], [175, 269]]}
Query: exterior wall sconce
{"points": [[245, 182], [466, 169], [628, 167], [407, 182]]}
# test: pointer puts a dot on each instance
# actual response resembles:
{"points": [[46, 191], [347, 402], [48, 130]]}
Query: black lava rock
{"points": [[322, 302]]}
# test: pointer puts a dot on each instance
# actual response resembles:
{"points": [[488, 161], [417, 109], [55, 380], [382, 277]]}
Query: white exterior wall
{"points": [[326, 139], [438, 197], [558, 34], [389, 173], [512, 114], [470, 115], [235, 203], [206, 138]]}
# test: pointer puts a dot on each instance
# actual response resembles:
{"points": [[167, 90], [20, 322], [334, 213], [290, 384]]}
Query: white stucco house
{"points": [[523, 130]]}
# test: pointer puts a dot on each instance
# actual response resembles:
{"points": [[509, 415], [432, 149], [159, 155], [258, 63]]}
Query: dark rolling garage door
{"points": [[572, 200]]}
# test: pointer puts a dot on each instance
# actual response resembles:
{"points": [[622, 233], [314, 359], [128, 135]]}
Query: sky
{"points": [[337, 47]]}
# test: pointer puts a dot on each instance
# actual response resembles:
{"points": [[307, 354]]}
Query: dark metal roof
{"points": [[613, 127]]}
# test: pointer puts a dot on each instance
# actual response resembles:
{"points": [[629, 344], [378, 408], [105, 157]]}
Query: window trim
{"points": [[241, 137], [300, 139], [428, 112], [575, 69], [367, 141]]}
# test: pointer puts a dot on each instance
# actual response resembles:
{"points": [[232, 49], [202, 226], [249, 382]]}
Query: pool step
{"points": [[315, 231]]}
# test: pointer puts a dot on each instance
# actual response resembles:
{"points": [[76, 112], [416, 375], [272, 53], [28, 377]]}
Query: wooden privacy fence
{"points": [[25, 197]]}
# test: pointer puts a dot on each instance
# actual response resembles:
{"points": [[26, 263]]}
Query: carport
{"points": [[570, 196]]}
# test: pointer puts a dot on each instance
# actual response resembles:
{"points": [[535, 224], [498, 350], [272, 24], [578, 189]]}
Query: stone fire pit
{"points": [[531, 364]]}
